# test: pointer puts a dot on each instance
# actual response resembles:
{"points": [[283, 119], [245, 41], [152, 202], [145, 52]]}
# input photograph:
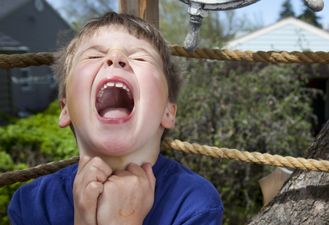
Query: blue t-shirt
{"points": [[181, 198]]}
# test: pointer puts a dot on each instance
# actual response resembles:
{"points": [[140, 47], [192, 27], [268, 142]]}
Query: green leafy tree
{"points": [[264, 109], [310, 17], [287, 10], [217, 28], [31, 141], [79, 12]]}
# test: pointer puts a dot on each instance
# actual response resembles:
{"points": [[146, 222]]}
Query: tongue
{"points": [[114, 113]]}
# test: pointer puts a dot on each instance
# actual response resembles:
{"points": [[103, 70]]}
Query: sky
{"points": [[264, 12], [267, 11]]}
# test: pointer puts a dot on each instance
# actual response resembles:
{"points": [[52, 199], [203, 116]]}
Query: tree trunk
{"points": [[304, 199]]}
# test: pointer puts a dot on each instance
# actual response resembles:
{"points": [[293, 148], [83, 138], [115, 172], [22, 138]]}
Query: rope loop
{"points": [[8, 61], [8, 178]]}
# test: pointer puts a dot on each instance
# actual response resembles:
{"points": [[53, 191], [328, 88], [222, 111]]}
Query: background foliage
{"points": [[31, 141], [261, 108], [252, 107]]}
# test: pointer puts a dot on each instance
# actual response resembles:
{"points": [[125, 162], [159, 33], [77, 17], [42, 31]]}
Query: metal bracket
{"points": [[198, 9], [315, 5]]}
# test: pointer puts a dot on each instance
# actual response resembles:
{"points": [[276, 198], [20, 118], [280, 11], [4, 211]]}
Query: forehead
{"points": [[114, 35]]}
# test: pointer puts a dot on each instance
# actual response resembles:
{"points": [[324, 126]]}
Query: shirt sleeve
{"points": [[14, 210], [209, 217]]}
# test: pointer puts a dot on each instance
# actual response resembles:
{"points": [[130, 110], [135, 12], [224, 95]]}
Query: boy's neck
{"points": [[138, 157], [121, 162]]}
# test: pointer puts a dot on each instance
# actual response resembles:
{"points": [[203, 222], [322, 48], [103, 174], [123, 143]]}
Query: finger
{"points": [[90, 198], [93, 190], [147, 167], [85, 203], [122, 173], [93, 173], [96, 170], [102, 166], [83, 161], [136, 170], [112, 179]]}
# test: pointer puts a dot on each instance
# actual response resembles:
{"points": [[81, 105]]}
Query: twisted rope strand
{"points": [[215, 152], [249, 157], [11, 177], [250, 56], [8, 61]]}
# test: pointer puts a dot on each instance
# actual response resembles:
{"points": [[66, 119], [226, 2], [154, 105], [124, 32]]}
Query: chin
{"points": [[116, 147]]}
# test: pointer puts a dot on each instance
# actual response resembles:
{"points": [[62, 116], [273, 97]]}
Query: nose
{"points": [[118, 59], [120, 63]]}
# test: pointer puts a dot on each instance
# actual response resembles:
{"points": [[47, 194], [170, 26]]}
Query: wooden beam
{"points": [[149, 10], [146, 9], [129, 7]]}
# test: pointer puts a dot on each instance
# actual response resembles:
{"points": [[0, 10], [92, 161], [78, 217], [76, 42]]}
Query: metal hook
{"points": [[315, 5], [196, 15], [198, 9]]}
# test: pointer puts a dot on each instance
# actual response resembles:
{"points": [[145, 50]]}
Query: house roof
{"points": [[8, 6], [9, 44], [286, 35]]}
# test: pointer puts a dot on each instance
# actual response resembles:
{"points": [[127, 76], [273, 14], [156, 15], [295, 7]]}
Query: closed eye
{"points": [[94, 57], [139, 59]]}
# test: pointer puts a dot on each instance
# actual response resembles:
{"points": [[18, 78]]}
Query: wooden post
{"points": [[146, 9]]}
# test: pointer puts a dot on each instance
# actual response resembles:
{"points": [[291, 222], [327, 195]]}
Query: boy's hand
{"points": [[88, 186], [127, 197]]}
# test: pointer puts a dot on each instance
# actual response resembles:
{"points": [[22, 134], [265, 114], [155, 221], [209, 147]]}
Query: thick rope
{"points": [[249, 157], [243, 156], [250, 56], [11, 177], [8, 61]]}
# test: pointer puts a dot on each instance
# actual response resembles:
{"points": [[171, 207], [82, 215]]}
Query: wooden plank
{"points": [[129, 7], [146, 9], [149, 10]]}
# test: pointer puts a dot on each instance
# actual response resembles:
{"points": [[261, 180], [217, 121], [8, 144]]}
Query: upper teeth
{"points": [[113, 84]]}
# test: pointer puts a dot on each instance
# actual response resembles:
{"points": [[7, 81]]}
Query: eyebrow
{"points": [[141, 49], [152, 53], [98, 48], [104, 50]]}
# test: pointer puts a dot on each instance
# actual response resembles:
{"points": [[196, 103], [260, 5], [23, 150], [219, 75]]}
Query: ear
{"points": [[169, 116], [64, 116]]}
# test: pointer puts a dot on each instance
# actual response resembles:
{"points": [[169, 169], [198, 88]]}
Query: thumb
{"points": [[147, 167]]}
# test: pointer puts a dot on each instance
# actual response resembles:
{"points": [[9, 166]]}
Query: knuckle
{"points": [[93, 185], [134, 179], [97, 160], [99, 164], [96, 163], [109, 186], [80, 202], [132, 166]]}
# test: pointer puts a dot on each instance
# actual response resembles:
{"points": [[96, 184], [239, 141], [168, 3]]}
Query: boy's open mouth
{"points": [[114, 100]]}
